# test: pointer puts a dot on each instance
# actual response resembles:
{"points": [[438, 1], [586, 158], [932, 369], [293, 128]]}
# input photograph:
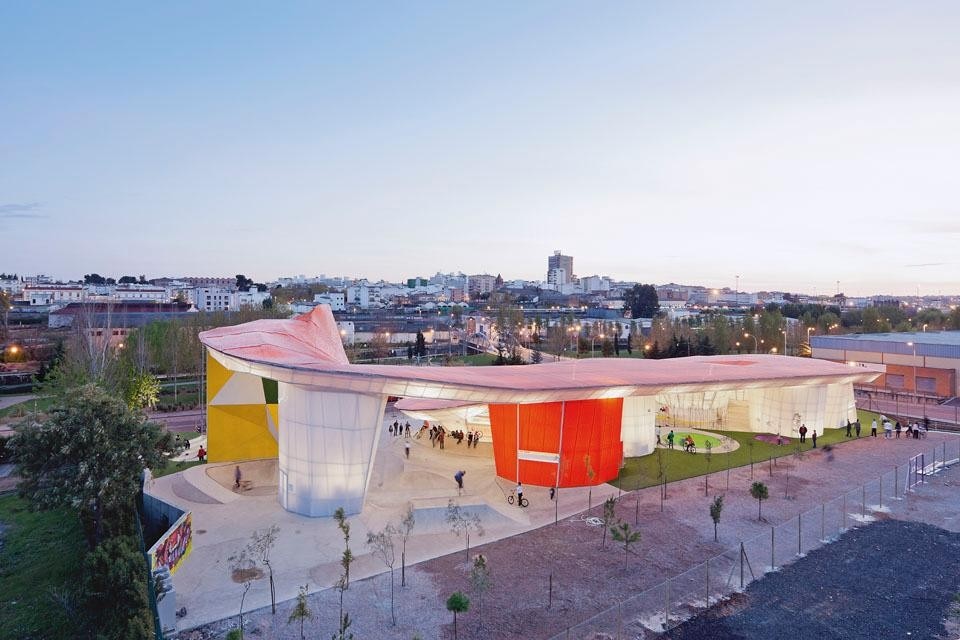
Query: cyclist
{"points": [[519, 494]]}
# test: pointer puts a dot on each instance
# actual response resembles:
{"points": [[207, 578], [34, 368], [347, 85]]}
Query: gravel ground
{"points": [[892, 579], [588, 579]]}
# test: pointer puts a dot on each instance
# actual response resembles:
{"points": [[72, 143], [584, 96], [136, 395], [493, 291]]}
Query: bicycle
{"points": [[512, 498]]}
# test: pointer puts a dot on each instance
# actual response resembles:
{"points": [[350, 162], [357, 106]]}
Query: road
{"points": [[9, 401], [179, 421], [901, 409]]}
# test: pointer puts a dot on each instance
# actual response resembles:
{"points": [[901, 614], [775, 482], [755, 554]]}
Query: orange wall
{"points": [[591, 450], [945, 378]]}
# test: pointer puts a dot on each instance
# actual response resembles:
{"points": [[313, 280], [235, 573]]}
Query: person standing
{"points": [[887, 430], [813, 437], [849, 426], [407, 430], [469, 439], [440, 437], [406, 449], [897, 428], [476, 438], [803, 433], [237, 477], [670, 438], [201, 454], [856, 427], [657, 430], [873, 428], [458, 476], [519, 494]]}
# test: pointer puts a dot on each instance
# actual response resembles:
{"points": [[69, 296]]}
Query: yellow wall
{"points": [[236, 431]]}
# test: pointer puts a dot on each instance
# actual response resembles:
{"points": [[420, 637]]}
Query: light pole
{"points": [[810, 329], [756, 343], [593, 341], [784, 332]]}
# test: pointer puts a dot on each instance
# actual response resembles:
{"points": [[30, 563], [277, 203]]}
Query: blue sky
{"points": [[794, 144]]}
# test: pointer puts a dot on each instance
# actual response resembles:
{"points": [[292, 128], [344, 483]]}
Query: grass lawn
{"points": [[41, 555], [25, 408], [644, 471], [478, 359], [173, 467]]}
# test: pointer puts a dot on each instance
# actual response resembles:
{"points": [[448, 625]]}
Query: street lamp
{"points": [[593, 341], [756, 343], [784, 332], [809, 329]]}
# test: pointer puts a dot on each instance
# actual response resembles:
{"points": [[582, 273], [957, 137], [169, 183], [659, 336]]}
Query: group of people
{"points": [[915, 429], [803, 435], [396, 429], [688, 444]]}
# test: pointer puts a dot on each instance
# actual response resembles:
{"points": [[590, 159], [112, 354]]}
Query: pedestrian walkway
{"points": [[308, 550]]}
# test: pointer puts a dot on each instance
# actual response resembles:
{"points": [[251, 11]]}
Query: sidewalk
{"points": [[308, 550]]}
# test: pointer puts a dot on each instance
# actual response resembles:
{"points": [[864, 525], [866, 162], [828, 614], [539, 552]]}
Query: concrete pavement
{"points": [[308, 550]]}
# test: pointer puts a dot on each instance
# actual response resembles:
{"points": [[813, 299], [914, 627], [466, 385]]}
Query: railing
{"points": [[683, 596]]}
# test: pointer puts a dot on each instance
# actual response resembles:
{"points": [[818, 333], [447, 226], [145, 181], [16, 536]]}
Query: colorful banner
{"points": [[175, 545]]}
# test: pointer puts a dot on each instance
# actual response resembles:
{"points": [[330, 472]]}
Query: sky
{"points": [[791, 144]]}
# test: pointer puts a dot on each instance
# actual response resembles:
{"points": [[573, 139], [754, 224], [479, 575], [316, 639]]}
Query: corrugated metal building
{"points": [[927, 363]]}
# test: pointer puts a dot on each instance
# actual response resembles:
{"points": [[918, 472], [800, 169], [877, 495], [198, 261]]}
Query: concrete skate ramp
{"points": [[262, 475]]}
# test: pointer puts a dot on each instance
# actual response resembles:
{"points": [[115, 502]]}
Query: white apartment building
{"points": [[249, 298], [337, 301], [364, 296], [140, 293], [47, 294], [212, 299], [591, 284], [12, 286]]}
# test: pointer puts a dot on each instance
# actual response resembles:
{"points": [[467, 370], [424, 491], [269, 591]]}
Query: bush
{"points": [[115, 590]]}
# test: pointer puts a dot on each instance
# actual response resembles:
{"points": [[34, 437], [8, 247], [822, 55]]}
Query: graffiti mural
{"points": [[175, 545]]}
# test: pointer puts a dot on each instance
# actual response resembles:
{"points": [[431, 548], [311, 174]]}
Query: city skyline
{"points": [[793, 146]]}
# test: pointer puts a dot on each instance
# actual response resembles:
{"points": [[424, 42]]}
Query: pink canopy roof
{"points": [[307, 350]]}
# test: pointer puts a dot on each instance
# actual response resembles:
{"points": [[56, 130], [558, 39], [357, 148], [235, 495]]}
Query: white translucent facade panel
{"points": [[841, 405], [704, 410], [782, 410], [327, 446], [637, 427]]}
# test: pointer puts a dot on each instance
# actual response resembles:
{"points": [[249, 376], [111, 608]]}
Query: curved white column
{"points": [[637, 425], [327, 446]]}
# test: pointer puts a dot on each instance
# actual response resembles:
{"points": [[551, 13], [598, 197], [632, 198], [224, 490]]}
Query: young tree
{"points": [[343, 583], [481, 581], [462, 523], [716, 507], [760, 493], [457, 603], [406, 527], [622, 532], [609, 513], [244, 568], [301, 611], [382, 545], [87, 455], [141, 391], [261, 544]]}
